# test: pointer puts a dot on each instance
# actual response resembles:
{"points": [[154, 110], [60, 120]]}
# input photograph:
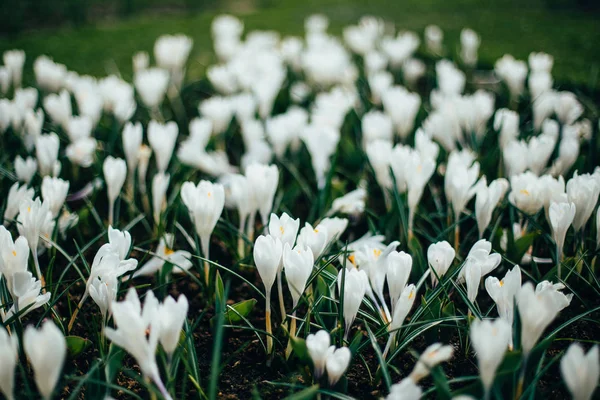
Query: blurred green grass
{"points": [[506, 26]]}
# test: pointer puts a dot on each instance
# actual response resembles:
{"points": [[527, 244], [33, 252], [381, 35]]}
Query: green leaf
{"points": [[113, 362], [76, 345], [300, 349], [519, 247], [441, 383], [237, 312], [308, 393], [219, 290]]}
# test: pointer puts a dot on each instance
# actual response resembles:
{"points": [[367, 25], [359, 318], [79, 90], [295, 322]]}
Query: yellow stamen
{"points": [[525, 192], [376, 252], [14, 253], [351, 258], [281, 229], [169, 251], [502, 283]]}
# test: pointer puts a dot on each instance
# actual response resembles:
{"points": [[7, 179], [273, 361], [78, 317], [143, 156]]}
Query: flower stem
{"points": [[280, 293], [38, 271], [268, 322], [456, 236], [76, 312], [288, 351]]}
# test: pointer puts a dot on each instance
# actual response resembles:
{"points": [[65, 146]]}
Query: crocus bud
{"points": [[507, 123], [14, 61], [54, 191], [580, 371], [513, 73], [298, 265], [355, 287], [162, 138], [171, 317], [433, 355], [469, 44], [284, 228], [486, 200], [440, 256], [16, 196], [14, 256], [151, 84], [317, 345], [103, 290], [205, 204], [34, 219], [561, 217], [583, 191], [376, 125], [171, 51], [141, 61], [160, 184], [8, 357], [115, 172], [58, 107], [267, 256], [399, 266], [402, 106], [538, 308], [434, 37], [403, 306], [132, 140], [321, 141], [337, 362], [490, 341], [503, 293], [46, 349], [263, 180], [46, 149], [314, 238], [25, 168]]}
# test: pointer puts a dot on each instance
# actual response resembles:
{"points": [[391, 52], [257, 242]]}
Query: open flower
{"points": [[433, 355], [314, 238], [180, 259], [16, 196], [26, 294]]}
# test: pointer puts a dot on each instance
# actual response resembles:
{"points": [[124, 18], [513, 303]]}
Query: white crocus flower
{"points": [[334, 227], [162, 138], [25, 168], [151, 84], [317, 345], [115, 172], [513, 73], [440, 256], [160, 184], [46, 349], [355, 287], [406, 389], [35, 220], [103, 290], [16, 196], [46, 149], [267, 258], [205, 204], [402, 106], [399, 267], [538, 308], [486, 200], [26, 294], [580, 371], [58, 107], [132, 142], [561, 217], [336, 363], [131, 334], [433, 355], [583, 191], [469, 44], [54, 191], [526, 193], [314, 238], [321, 142], [82, 151], [490, 341], [166, 253], [170, 319], [9, 355], [503, 293], [263, 181]]}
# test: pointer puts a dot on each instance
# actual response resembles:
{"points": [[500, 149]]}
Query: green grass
{"points": [[506, 26]]}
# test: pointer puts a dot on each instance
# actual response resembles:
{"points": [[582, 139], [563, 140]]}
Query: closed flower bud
{"points": [[440, 256], [317, 345], [490, 341], [503, 293], [399, 267], [355, 287], [160, 184], [54, 191], [162, 138], [25, 168], [433, 355], [46, 349], [115, 171], [8, 357], [337, 362], [151, 84], [298, 265], [171, 317], [267, 256], [46, 149], [580, 371]]}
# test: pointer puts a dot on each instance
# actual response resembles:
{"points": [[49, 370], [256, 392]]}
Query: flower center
{"points": [[169, 251]]}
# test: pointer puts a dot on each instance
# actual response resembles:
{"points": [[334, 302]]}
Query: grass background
{"points": [[104, 44]]}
